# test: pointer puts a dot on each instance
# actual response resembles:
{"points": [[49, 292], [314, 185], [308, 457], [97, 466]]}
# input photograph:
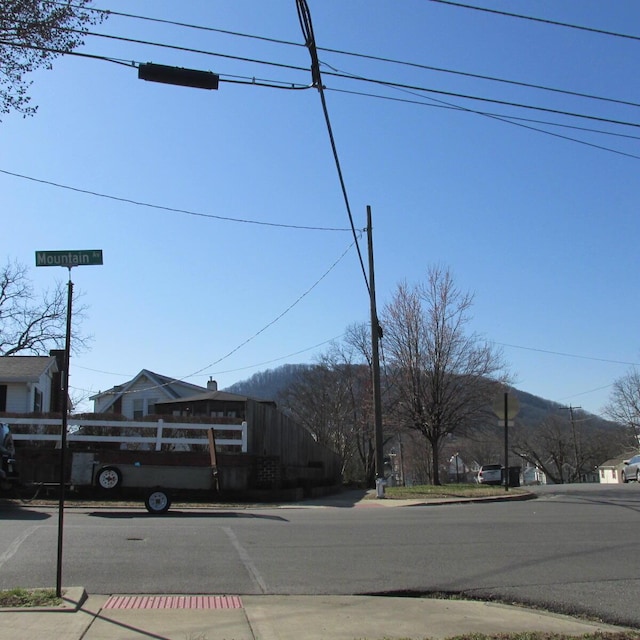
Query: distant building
{"points": [[610, 472], [30, 384], [138, 397]]}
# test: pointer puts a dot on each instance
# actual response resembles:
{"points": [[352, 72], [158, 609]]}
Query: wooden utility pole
{"points": [[376, 334], [575, 439]]}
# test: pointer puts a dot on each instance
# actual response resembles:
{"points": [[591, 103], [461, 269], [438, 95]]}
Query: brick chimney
{"points": [[212, 385]]}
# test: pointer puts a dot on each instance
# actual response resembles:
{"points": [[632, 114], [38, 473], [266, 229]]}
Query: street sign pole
{"points": [[68, 259], [63, 436], [506, 410]]}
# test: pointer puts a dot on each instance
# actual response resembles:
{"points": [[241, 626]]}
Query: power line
{"points": [[566, 355], [452, 107], [542, 20], [251, 366], [511, 121], [307, 30], [387, 83], [390, 83], [399, 85], [381, 58], [291, 86], [175, 47], [426, 67], [257, 333], [140, 203]]}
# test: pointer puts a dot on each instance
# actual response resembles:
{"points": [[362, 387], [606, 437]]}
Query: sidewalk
{"points": [[102, 617]]}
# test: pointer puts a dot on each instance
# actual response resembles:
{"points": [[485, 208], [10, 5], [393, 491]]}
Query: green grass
{"points": [[19, 597], [447, 491]]}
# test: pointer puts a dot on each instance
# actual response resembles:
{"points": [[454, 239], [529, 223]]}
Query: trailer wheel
{"points": [[109, 478], [157, 501]]}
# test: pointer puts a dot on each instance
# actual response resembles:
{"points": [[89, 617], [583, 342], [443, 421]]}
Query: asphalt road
{"points": [[574, 549]]}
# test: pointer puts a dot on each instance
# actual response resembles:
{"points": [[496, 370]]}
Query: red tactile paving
{"points": [[173, 602]]}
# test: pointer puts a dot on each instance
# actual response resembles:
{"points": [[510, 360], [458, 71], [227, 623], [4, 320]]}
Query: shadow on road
{"points": [[182, 514], [347, 498], [14, 512]]}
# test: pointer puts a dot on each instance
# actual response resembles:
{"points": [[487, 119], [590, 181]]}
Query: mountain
{"points": [[269, 383]]}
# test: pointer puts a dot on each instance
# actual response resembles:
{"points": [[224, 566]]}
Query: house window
{"points": [[37, 401], [151, 406], [3, 397], [138, 408]]}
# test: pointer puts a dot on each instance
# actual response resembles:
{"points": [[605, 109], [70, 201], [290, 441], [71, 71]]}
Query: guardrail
{"points": [[156, 440]]}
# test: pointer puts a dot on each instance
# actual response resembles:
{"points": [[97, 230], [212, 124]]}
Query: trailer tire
{"points": [[157, 501], [108, 478]]}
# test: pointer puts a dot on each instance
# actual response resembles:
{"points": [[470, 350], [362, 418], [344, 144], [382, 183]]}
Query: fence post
{"points": [[244, 437], [159, 435]]}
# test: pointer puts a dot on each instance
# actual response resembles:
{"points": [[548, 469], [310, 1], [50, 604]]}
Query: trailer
{"points": [[127, 465], [149, 473], [159, 458]]}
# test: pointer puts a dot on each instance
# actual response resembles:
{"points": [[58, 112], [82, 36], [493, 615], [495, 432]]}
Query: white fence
{"points": [[157, 440]]}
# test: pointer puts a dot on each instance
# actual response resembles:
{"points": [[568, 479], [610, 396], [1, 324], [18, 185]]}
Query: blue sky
{"points": [[543, 230]]}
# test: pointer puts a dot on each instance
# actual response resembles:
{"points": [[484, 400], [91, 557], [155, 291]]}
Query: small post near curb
{"points": [[506, 409], [68, 259]]}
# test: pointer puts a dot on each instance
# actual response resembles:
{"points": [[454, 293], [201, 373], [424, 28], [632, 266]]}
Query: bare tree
{"points": [[624, 406], [444, 377], [31, 324], [32, 34], [566, 449]]}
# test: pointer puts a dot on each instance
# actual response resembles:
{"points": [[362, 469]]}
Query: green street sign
{"points": [[68, 258]]}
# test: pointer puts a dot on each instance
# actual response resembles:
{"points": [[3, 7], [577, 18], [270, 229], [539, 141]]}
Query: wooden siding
{"points": [[278, 435]]}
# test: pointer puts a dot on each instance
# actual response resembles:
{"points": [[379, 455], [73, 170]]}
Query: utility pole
{"points": [[376, 334], [575, 439]]}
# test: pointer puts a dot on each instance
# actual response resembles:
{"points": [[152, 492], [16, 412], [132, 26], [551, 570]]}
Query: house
{"points": [[30, 383], [610, 472], [210, 403], [138, 397]]}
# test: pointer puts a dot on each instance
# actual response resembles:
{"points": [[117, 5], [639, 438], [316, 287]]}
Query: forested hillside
{"points": [[269, 385]]}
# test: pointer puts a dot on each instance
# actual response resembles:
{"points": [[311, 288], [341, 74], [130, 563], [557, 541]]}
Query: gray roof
{"points": [[162, 382], [25, 368], [616, 462], [214, 395]]}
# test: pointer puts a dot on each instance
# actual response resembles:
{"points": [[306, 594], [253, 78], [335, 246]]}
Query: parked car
{"points": [[490, 474], [631, 470]]}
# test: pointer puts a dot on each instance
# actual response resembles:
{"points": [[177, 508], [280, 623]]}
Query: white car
{"points": [[631, 470], [490, 474]]}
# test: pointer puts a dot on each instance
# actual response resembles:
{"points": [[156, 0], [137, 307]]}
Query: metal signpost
{"points": [[506, 409], [66, 259]]}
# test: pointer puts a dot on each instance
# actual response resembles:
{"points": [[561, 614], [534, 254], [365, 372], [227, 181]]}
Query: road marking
{"points": [[253, 572], [15, 545]]}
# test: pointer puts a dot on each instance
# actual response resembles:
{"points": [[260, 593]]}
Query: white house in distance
{"points": [[138, 397], [610, 472], [29, 384]]}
